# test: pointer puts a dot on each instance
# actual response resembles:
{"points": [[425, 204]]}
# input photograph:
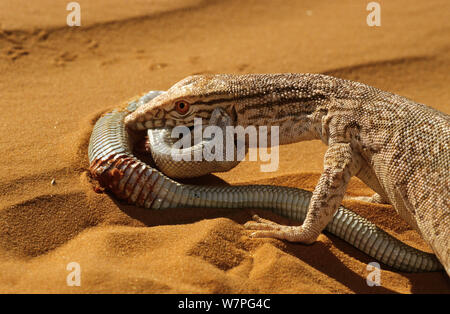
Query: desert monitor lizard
{"points": [[397, 147]]}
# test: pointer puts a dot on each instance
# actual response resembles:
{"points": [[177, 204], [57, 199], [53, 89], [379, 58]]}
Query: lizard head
{"points": [[193, 97]]}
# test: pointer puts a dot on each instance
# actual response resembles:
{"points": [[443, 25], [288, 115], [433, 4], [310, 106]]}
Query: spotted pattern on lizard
{"points": [[398, 147]]}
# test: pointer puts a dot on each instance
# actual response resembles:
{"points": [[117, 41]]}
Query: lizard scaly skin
{"points": [[397, 147]]}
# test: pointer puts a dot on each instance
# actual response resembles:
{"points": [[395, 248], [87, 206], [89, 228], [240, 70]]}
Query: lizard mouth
{"points": [[149, 124]]}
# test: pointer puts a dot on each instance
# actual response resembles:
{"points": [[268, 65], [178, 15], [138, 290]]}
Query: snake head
{"points": [[193, 97]]}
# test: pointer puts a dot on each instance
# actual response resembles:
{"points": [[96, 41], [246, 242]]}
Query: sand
{"points": [[55, 80]]}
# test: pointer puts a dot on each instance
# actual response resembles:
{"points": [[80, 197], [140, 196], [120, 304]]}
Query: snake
{"points": [[152, 185]]}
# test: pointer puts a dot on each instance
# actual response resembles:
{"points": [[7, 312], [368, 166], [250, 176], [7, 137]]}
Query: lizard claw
{"points": [[260, 220], [269, 229]]}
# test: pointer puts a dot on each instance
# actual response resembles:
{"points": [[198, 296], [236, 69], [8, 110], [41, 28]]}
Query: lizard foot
{"points": [[378, 199], [269, 229], [375, 199]]}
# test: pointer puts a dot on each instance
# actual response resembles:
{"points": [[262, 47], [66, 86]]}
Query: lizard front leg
{"points": [[340, 164]]}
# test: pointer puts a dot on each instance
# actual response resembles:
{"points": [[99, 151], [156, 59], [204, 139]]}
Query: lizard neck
{"points": [[296, 103]]}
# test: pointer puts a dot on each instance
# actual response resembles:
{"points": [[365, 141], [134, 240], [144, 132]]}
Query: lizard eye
{"points": [[182, 107]]}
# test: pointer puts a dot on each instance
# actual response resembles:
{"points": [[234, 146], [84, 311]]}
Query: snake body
{"points": [[114, 166]]}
